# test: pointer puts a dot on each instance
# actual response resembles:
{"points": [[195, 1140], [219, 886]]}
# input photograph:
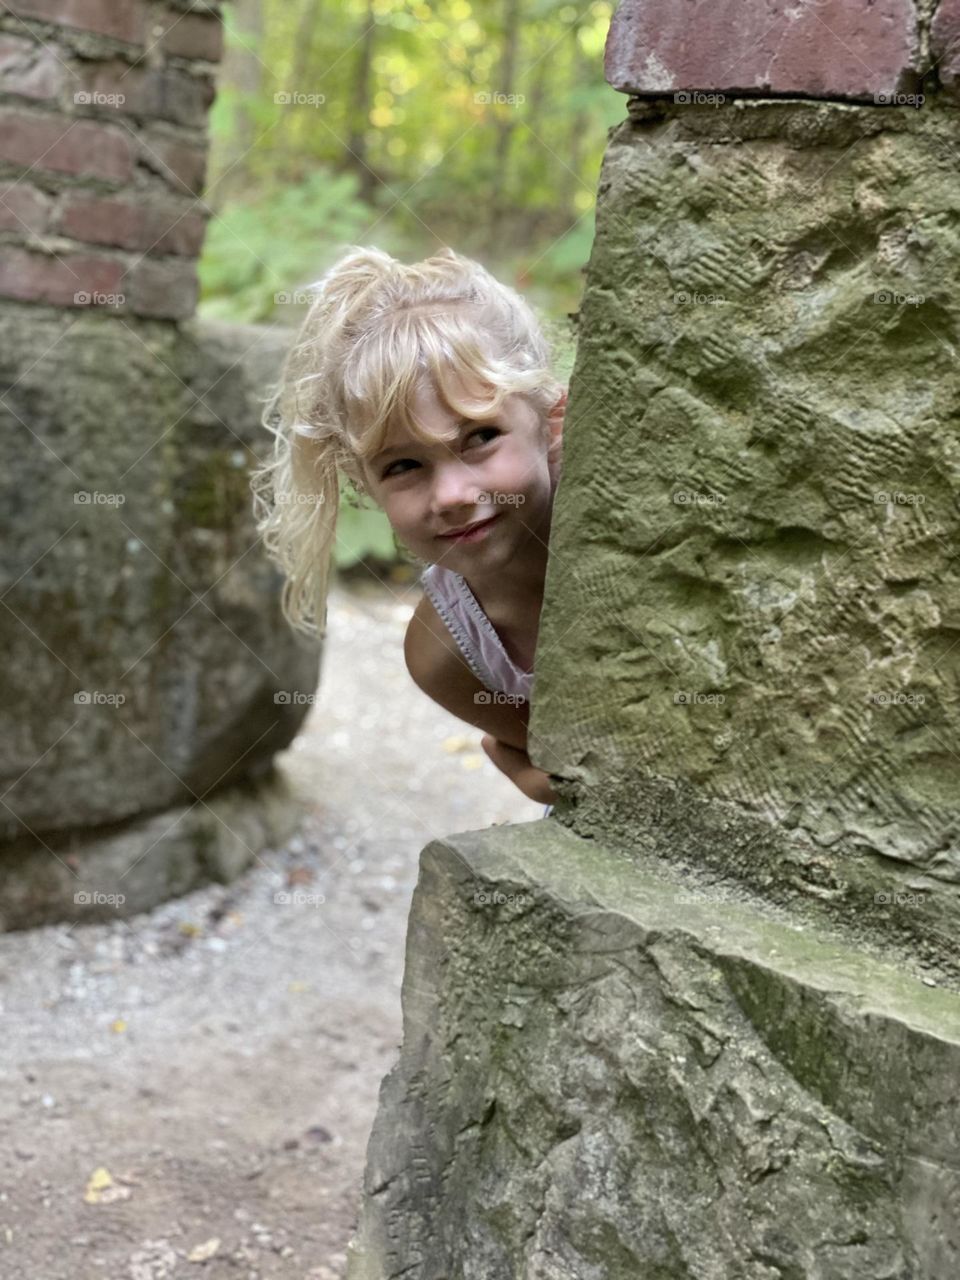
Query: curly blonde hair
{"points": [[374, 333]]}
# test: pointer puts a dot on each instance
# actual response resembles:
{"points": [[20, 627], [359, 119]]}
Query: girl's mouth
{"points": [[473, 534]]}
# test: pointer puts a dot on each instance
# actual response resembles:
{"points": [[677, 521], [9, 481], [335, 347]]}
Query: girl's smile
{"points": [[472, 533]]}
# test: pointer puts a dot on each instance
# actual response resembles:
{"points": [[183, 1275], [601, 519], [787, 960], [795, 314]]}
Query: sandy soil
{"points": [[189, 1092]]}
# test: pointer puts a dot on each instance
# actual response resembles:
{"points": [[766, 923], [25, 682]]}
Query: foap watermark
{"points": [[885, 497], [697, 98], [94, 898], [898, 898], [299, 499], [694, 698], [683, 298], [95, 299], [298, 898], [93, 98], [890, 297], [897, 699], [293, 298], [898, 100], [496, 898], [293, 98], [495, 698], [294, 698], [502, 499], [498, 99], [98, 698], [692, 498], [94, 498], [694, 896]]}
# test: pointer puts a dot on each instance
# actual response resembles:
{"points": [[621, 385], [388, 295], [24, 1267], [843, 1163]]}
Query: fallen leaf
{"points": [[300, 875], [191, 930], [118, 1025], [298, 986], [101, 1188], [201, 1252]]}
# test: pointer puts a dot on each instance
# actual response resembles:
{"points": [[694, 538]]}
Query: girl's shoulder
{"points": [[427, 643]]}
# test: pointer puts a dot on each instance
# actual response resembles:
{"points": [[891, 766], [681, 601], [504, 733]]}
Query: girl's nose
{"points": [[454, 486]]}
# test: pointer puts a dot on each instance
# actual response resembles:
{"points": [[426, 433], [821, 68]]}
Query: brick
{"points": [[165, 290], [64, 144], [152, 92], [180, 164], [189, 35], [821, 48], [175, 232], [945, 45], [36, 277], [102, 220], [23, 208], [123, 19], [29, 69], [128, 224]]}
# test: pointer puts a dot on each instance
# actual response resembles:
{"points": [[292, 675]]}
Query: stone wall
{"points": [[150, 677], [704, 1023]]}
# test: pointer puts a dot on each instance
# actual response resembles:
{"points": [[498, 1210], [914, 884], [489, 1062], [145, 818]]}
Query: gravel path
{"points": [[189, 1092]]}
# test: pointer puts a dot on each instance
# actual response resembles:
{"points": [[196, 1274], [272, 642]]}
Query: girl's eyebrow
{"points": [[403, 448]]}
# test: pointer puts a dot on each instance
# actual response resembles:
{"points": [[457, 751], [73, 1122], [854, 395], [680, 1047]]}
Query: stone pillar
{"points": [[707, 1024], [149, 675]]}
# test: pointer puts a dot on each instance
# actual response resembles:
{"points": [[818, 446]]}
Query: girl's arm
{"points": [[438, 668]]}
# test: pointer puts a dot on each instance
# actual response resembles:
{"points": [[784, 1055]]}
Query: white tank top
{"points": [[474, 633]]}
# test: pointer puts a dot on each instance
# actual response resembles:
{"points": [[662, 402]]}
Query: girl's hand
{"points": [[533, 782]]}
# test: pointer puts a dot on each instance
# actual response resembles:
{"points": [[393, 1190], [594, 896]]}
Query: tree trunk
{"points": [[302, 61], [358, 157], [505, 121], [579, 124]]}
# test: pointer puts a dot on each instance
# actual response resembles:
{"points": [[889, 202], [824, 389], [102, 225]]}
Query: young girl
{"points": [[429, 388]]}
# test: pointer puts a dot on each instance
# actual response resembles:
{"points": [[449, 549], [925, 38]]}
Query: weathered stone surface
{"points": [[141, 620], [813, 48], [752, 560], [610, 1072], [945, 44], [121, 871]]}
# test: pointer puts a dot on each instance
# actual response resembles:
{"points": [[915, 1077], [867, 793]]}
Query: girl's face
{"points": [[495, 479]]}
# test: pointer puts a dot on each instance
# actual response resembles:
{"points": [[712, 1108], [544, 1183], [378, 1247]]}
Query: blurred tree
{"points": [[360, 105]]}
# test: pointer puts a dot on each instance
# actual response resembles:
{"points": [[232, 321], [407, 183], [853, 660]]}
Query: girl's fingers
{"points": [[533, 782]]}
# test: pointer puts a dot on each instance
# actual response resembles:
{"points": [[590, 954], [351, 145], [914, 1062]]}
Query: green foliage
{"points": [[277, 244], [363, 531], [392, 122]]}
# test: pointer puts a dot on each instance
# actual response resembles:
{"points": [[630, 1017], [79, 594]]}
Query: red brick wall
{"points": [[103, 144]]}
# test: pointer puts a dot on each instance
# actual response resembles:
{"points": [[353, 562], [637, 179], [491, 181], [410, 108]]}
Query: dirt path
{"points": [[220, 1056]]}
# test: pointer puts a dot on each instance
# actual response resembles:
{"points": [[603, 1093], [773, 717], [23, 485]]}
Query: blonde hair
{"points": [[374, 333]]}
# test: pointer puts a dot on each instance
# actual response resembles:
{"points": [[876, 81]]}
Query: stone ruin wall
{"points": [[147, 662]]}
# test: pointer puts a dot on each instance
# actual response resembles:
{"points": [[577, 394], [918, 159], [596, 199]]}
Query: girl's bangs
{"points": [[421, 350]]}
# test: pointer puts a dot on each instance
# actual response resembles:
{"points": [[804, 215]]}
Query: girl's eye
{"points": [[398, 462], [479, 436], [492, 432]]}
